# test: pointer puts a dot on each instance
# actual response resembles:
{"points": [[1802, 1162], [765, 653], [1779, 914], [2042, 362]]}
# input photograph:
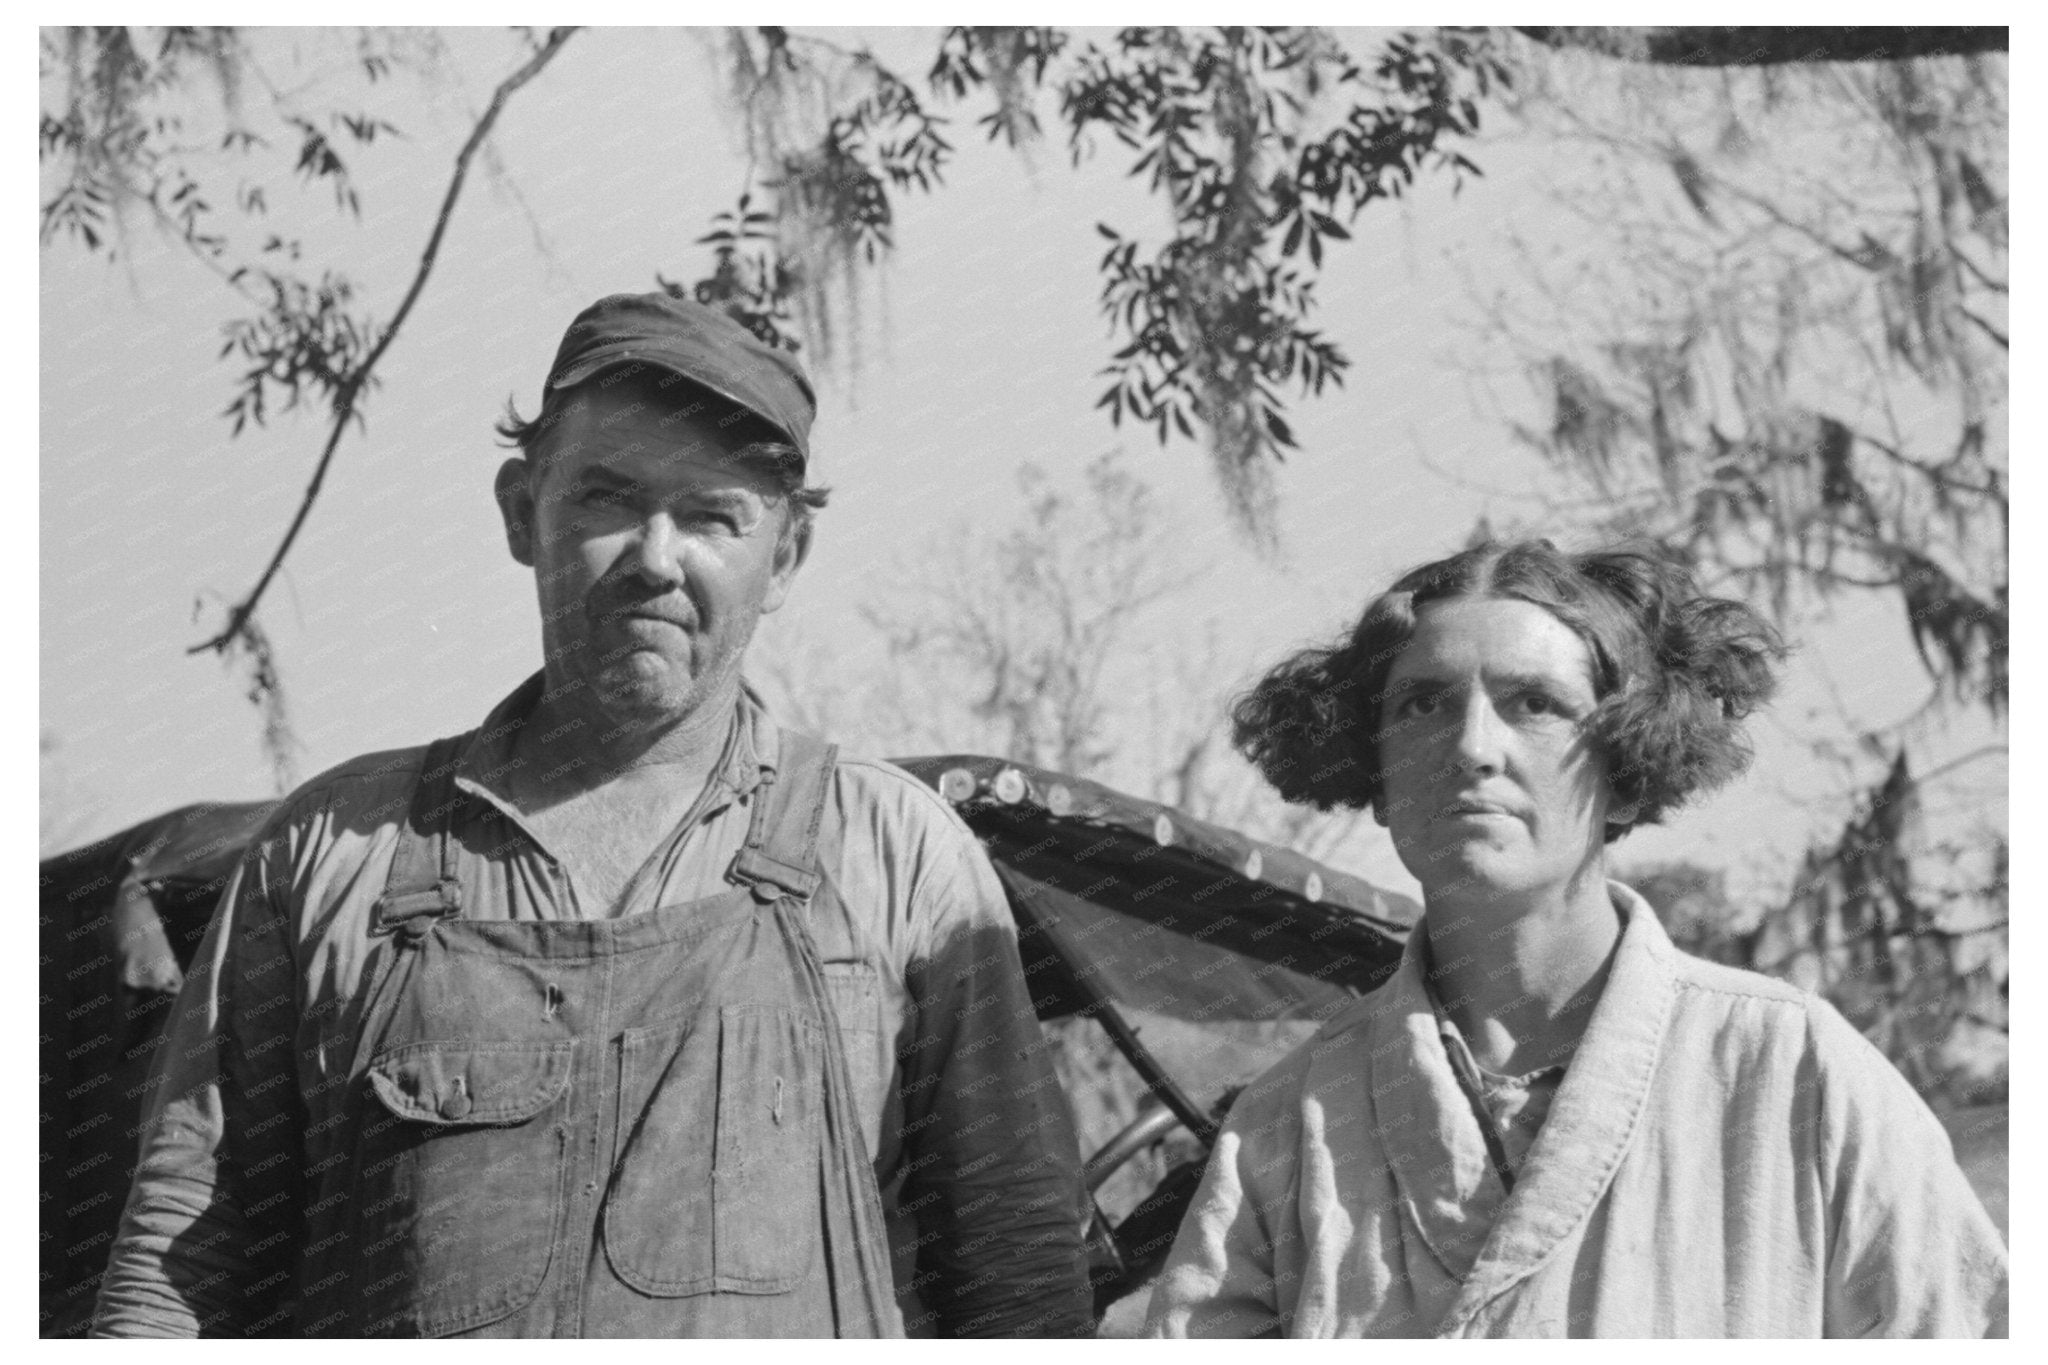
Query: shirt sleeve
{"points": [[1219, 1279], [1911, 1251], [989, 1147], [207, 1239]]}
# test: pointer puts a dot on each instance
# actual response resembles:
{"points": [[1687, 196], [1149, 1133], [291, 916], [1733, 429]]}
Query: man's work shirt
{"points": [[973, 1145]]}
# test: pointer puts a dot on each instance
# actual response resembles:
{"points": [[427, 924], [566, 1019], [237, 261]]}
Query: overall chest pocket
{"points": [[460, 1182], [718, 1183]]}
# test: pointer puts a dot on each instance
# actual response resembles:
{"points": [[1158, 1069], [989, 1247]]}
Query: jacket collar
{"points": [[1595, 1115], [1487, 1238], [1425, 1125]]}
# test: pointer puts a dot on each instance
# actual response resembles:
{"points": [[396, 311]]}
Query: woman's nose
{"points": [[1478, 734]]}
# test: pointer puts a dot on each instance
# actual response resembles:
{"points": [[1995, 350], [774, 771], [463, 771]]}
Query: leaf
{"points": [[1278, 429], [1293, 241]]}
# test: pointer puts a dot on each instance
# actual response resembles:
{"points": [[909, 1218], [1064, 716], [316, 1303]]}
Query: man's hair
{"points": [[765, 447], [1675, 672]]}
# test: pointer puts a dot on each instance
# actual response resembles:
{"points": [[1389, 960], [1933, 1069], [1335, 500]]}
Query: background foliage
{"points": [[1783, 351]]}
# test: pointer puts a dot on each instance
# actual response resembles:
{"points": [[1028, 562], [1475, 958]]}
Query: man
{"points": [[628, 1012]]}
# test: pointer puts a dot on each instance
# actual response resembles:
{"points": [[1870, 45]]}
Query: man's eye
{"points": [[1537, 704]]}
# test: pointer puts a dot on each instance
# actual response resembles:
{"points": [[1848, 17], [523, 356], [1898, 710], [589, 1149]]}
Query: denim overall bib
{"points": [[631, 1127]]}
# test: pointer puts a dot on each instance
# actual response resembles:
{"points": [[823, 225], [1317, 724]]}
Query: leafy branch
{"points": [[1776, 371], [750, 279], [1210, 326], [293, 342]]}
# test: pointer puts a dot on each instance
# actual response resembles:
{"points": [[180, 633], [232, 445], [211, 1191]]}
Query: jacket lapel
{"points": [[1596, 1113], [1425, 1125]]}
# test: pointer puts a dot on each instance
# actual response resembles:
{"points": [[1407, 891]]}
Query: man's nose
{"points": [[652, 555]]}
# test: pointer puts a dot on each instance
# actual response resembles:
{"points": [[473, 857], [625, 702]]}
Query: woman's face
{"points": [[1491, 788]]}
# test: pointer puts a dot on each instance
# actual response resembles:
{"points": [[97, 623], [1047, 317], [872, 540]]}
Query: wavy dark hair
{"points": [[1676, 672]]}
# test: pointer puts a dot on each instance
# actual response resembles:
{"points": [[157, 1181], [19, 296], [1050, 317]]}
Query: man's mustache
{"points": [[605, 608]]}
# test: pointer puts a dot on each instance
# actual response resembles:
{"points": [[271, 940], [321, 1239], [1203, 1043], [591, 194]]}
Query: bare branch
{"points": [[2000, 338], [1977, 271]]}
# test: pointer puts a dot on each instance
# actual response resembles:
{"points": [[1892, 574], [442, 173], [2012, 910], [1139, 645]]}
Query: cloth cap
{"points": [[701, 344]]}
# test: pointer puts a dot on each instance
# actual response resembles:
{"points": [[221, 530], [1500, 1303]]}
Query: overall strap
{"points": [[423, 885], [780, 863], [780, 857]]}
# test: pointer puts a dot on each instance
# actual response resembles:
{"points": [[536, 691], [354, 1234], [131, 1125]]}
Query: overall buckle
{"points": [[413, 913], [771, 878]]}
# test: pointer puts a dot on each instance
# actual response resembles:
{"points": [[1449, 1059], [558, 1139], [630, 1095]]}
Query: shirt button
{"points": [[456, 1105]]}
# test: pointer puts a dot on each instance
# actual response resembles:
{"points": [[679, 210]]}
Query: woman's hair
{"points": [[1675, 671]]}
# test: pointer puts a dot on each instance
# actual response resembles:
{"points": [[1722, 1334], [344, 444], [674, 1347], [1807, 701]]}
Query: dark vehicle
{"points": [[1128, 912]]}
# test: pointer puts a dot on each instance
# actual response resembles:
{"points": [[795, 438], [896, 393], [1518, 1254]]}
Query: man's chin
{"points": [[636, 702]]}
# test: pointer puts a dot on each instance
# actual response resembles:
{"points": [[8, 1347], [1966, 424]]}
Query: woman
{"points": [[1550, 1122]]}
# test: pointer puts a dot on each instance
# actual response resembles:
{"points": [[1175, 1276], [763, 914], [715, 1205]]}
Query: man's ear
{"points": [[792, 547], [514, 492]]}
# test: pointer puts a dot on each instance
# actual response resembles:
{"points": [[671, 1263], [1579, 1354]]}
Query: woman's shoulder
{"points": [[1721, 983], [1727, 1000], [1707, 987], [1721, 1001]]}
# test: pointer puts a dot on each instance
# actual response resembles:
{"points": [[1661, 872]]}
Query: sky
{"points": [[400, 615]]}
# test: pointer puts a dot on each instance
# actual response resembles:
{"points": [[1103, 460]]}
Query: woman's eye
{"points": [[1416, 706]]}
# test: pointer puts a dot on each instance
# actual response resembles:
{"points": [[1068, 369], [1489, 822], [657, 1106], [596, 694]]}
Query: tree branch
{"points": [[1933, 474], [1995, 286], [1770, 46], [351, 387], [1987, 751], [2004, 343]]}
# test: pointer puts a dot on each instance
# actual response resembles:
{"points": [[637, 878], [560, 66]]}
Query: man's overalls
{"points": [[630, 1127]]}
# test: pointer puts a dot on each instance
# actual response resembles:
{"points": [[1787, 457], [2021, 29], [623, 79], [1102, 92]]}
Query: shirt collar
{"points": [[1454, 1038], [758, 747], [754, 747]]}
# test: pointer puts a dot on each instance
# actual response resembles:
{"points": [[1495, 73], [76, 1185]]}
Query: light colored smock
{"points": [[1726, 1157]]}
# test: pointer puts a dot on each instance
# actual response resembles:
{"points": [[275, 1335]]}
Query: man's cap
{"points": [[701, 344]]}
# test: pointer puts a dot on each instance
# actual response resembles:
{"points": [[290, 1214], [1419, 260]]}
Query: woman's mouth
{"points": [[1470, 809]]}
